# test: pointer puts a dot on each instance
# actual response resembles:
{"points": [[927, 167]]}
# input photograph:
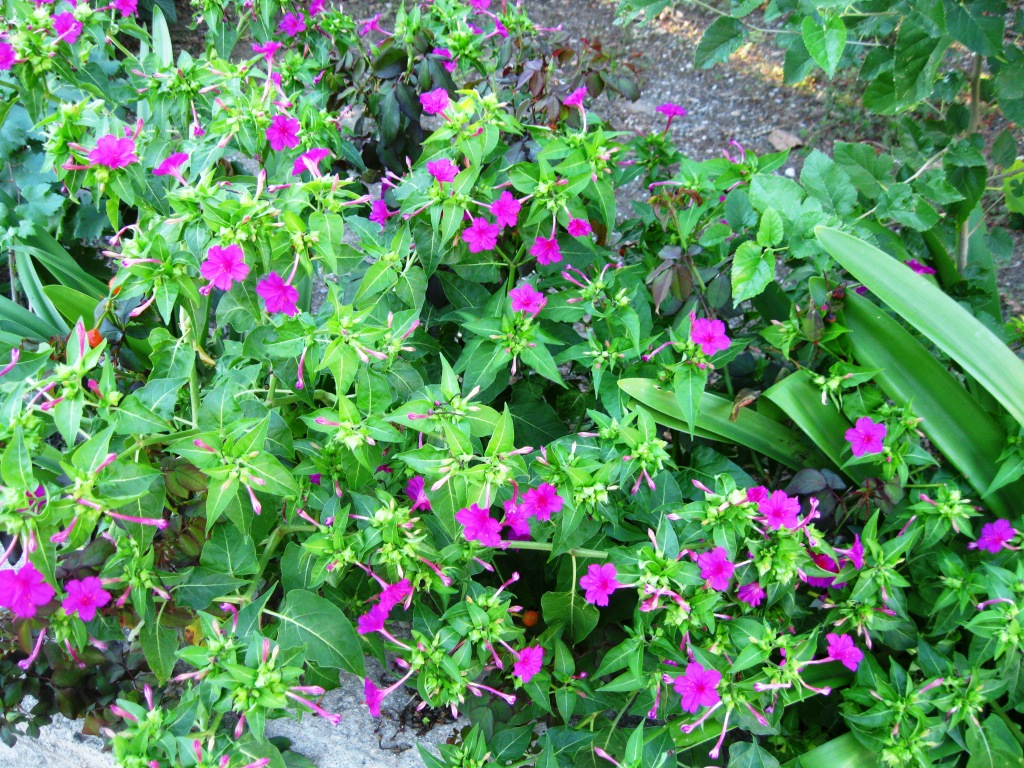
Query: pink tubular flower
{"points": [[372, 621], [310, 161], [481, 235], [599, 582], [278, 295], [917, 266], [841, 648], [716, 568], [66, 27], [751, 594], [542, 501], [393, 594], [579, 227], [780, 511], [698, 687], [414, 490], [126, 7], [292, 24], [527, 299], [379, 213], [7, 56], [283, 132], [994, 536], [21, 591], [866, 437], [268, 49], [85, 597], [443, 170], [113, 151], [709, 334], [855, 553], [479, 525], [171, 166], [373, 696], [528, 663], [506, 210], [575, 99], [435, 102], [224, 266], [546, 250]]}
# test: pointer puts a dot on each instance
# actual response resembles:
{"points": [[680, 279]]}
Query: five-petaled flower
{"points": [[529, 662], [113, 151], [278, 295], [541, 502], [66, 27], [414, 490], [23, 590], [671, 110], [506, 210], [268, 49], [698, 687], [435, 102], [443, 169], [866, 437], [528, 299], [481, 235], [575, 99], [171, 166], [479, 525], [546, 250], [310, 161], [292, 24], [85, 597], [224, 266], [579, 227], [752, 594], [780, 510], [8, 56], [994, 536], [841, 648], [126, 7], [709, 334], [716, 568], [283, 132], [599, 582]]}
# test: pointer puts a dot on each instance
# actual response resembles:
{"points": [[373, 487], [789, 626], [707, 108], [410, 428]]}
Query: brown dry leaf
{"points": [[781, 139]]}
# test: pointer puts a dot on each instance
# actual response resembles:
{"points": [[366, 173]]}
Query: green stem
{"points": [[546, 546], [161, 439], [193, 392]]}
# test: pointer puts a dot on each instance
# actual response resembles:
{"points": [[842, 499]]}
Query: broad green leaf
{"points": [[203, 586], [230, 551], [825, 41], [750, 755], [946, 324], [842, 752], [993, 745], [319, 627], [753, 268], [161, 39], [688, 385], [570, 609], [724, 35], [919, 51], [16, 465], [72, 304], [771, 230], [160, 645], [978, 25]]}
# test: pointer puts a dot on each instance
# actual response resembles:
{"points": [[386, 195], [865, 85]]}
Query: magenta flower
{"points": [[443, 169], [171, 166], [7, 56], [826, 563], [479, 525], [527, 299], [506, 210], [855, 553], [393, 594], [709, 334], [541, 502], [379, 213], [414, 490], [224, 266], [546, 250], [435, 102], [316, 7], [757, 494], [599, 583], [446, 55], [283, 132], [579, 227], [268, 49], [479, 5], [671, 110], [517, 519], [698, 687], [292, 24], [481, 235], [85, 597], [126, 7], [372, 621], [278, 295], [841, 648], [528, 663], [780, 511], [310, 161], [371, 25], [752, 594], [66, 27], [575, 99], [994, 536], [917, 266], [866, 437], [113, 151], [23, 590], [716, 568], [374, 697]]}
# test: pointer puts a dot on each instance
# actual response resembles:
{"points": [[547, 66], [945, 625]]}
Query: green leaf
{"points": [[688, 385], [16, 465], [160, 645], [721, 38], [919, 52], [570, 609], [842, 752], [319, 627], [978, 25], [161, 39], [771, 230], [203, 586], [827, 182], [753, 268], [72, 304], [825, 42], [230, 551], [750, 755], [992, 745]]}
